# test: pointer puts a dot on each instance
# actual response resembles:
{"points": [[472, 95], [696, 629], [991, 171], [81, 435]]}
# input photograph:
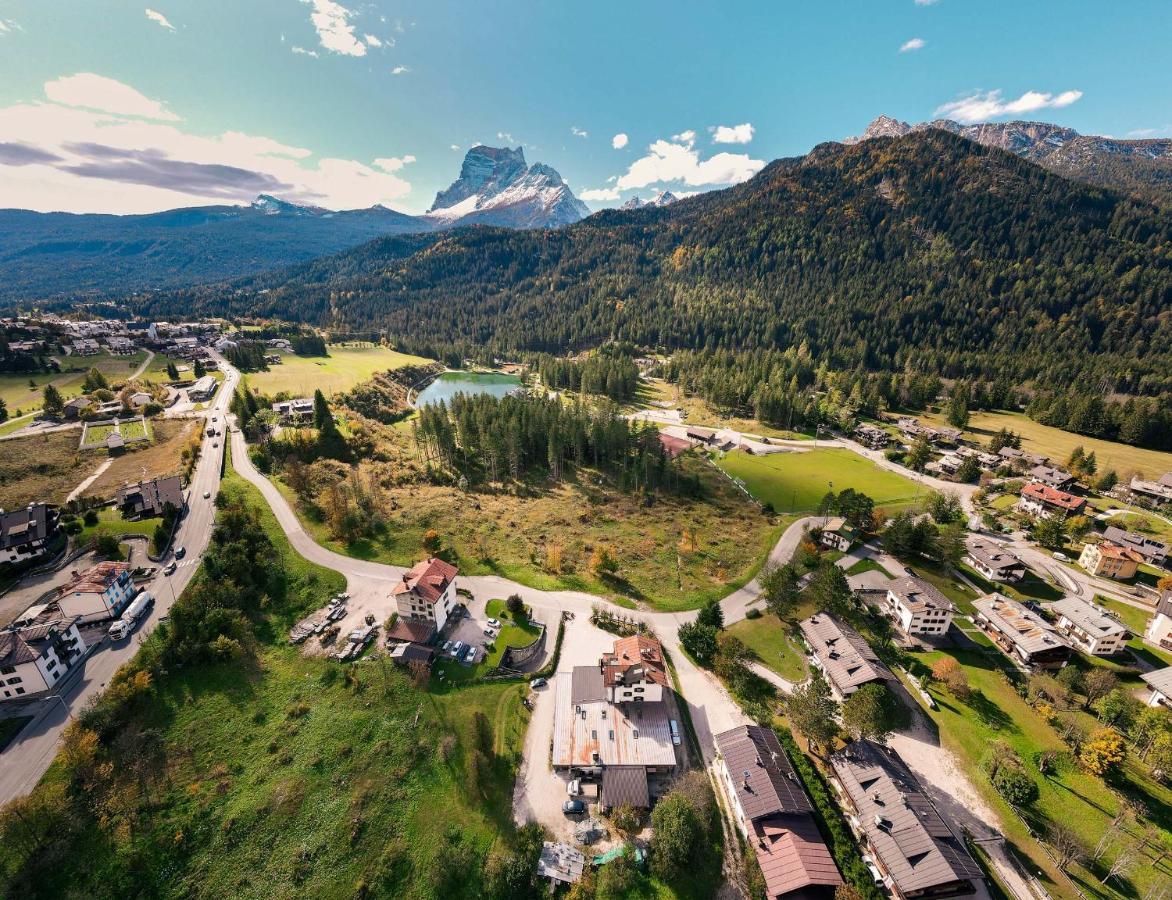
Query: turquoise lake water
{"points": [[451, 383]]}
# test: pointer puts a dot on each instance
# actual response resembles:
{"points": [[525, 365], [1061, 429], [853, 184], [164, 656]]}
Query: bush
{"points": [[753, 614], [515, 605], [90, 518], [675, 837]]}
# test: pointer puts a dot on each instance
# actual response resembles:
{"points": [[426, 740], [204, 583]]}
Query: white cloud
{"points": [[394, 163], [926, 2], [619, 141], [159, 19], [578, 132], [455, 146], [7, 26], [668, 161], [600, 195], [400, 70], [372, 40], [684, 137], [913, 44], [977, 107], [332, 22], [98, 92], [506, 137], [84, 153], [1162, 131], [732, 134], [301, 51]]}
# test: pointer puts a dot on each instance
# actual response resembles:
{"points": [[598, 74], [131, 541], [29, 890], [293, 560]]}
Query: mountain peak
{"points": [[273, 206], [663, 198]]}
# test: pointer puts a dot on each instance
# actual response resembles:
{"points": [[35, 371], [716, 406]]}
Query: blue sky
{"points": [[115, 106]]}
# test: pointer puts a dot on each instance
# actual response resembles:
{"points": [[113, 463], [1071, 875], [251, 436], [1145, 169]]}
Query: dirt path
{"points": [[77, 491]]}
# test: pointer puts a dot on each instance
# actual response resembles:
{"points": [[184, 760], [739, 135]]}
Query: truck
{"points": [[138, 608]]}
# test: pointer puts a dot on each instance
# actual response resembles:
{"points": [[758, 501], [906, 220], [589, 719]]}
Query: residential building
{"points": [[703, 435], [916, 852], [847, 661], [838, 534], [139, 399], [1109, 560], [427, 591], [100, 592], [1042, 501], [75, 407], [26, 534], [298, 410], [986, 460], [634, 672], [33, 658], [994, 563], [1155, 493], [1092, 629], [203, 389], [1154, 552], [872, 436], [85, 347], [148, 499], [1021, 458], [411, 631], [774, 814], [1160, 681], [918, 607], [1158, 632], [1051, 477], [1020, 633], [120, 346], [913, 430]]}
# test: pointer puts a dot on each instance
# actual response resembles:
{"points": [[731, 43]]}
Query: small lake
{"points": [[451, 383]]}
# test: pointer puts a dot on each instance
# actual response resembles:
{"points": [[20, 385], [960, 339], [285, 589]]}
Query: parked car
{"points": [[538, 683], [573, 807], [489, 633], [457, 649], [574, 788], [207, 494], [494, 623], [469, 654], [170, 570], [675, 732], [1060, 556], [447, 646]]}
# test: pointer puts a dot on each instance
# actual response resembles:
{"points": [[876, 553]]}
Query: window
{"points": [[20, 690], [7, 670]]}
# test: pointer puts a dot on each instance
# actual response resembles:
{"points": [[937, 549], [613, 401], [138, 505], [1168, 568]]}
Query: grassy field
{"points": [[867, 565], [43, 467], [797, 482], [146, 460], [16, 393], [134, 429], [1068, 795], [345, 367], [1057, 444], [110, 521], [97, 433], [698, 412], [767, 637]]}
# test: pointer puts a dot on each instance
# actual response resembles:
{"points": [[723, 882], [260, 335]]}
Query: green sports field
{"points": [[797, 482], [346, 366]]}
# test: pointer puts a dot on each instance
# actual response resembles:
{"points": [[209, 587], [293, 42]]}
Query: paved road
{"points": [[25, 761]]}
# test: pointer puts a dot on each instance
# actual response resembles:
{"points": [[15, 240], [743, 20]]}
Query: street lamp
{"points": [[64, 705]]}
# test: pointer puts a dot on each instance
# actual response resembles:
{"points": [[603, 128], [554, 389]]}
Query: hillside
{"points": [[926, 250]]}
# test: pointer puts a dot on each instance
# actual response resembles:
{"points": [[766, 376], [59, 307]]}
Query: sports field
{"points": [[346, 366], [797, 482]]}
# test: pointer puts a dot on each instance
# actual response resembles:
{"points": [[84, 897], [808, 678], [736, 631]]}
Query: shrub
{"points": [[753, 613], [91, 517]]}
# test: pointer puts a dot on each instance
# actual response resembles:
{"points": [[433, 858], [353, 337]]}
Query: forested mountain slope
{"points": [[926, 251]]}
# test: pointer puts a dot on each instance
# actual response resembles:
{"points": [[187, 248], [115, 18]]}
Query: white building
{"points": [[100, 592], [35, 657], [635, 671], [1158, 632], [1160, 681], [203, 389], [919, 607], [427, 591], [1092, 629]]}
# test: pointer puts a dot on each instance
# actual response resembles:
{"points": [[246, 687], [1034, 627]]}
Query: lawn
{"points": [[134, 429], [43, 467], [767, 637], [16, 393], [110, 521], [1057, 444], [97, 433], [162, 456], [797, 482], [867, 565], [1068, 796], [346, 366]]}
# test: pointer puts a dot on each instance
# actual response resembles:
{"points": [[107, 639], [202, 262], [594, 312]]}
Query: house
{"points": [[203, 389], [33, 658], [986, 460], [148, 499], [1156, 493], [139, 399], [26, 534], [1154, 552], [1092, 629], [994, 563], [120, 346], [298, 410], [838, 534], [919, 607], [1158, 632], [1160, 681], [427, 591], [1042, 501], [916, 852], [673, 446], [1020, 633], [75, 407], [701, 435], [1051, 477], [949, 464], [634, 671], [85, 347], [1020, 458], [223, 345], [100, 592], [872, 436], [774, 814], [1110, 560], [847, 661], [560, 862], [403, 654], [115, 441]]}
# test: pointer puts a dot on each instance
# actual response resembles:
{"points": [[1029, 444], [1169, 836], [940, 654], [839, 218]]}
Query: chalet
{"points": [[139, 399], [918, 607], [26, 534], [872, 436], [1154, 552], [1042, 501], [918, 855], [701, 435], [298, 410], [148, 499], [85, 347], [634, 671], [1110, 560], [1158, 632], [913, 430], [120, 346], [1155, 493], [33, 658], [985, 460], [100, 592], [993, 562], [838, 534], [1092, 629], [774, 814], [1021, 458], [847, 661], [1160, 681], [1020, 633], [75, 407], [1051, 477], [427, 591], [203, 389]]}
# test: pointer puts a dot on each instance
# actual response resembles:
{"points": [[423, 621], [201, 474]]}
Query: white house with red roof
{"points": [[427, 591], [634, 672], [1042, 501]]}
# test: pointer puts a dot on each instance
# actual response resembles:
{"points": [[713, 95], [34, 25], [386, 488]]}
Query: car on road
{"points": [[1060, 556], [215, 443], [494, 623], [170, 570], [573, 807], [180, 552], [675, 732], [538, 683], [207, 494]]}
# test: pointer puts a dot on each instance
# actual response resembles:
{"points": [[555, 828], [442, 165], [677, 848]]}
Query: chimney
{"points": [[745, 778]]}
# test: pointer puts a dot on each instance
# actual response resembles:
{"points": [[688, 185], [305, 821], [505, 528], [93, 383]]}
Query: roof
{"points": [[24, 645], [1052, 496], [702, 433], [792, 854], [634, 659], [1020, 624], [409, 651], [917, 594], [561, 862], [624, 734], [1161, 488], [418, 631], [1159, 680], [762, 776], [96, 579], [1090, 618], [847, 659], [993, 557], [428, 579], [1140, 543], [1050, 475], [586, 685], [151, 497], [25, 526], [916, 846], [1114, 551], [673, 446], [625, 785], [839, 525]]}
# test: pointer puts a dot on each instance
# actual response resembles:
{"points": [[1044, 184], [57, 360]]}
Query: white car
{"points": [[207, 494], [574, 788], [1060, 556], [494, 623]]}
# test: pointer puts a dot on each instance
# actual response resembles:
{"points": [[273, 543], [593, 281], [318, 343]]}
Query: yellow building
{"points": [[1110, 560]]}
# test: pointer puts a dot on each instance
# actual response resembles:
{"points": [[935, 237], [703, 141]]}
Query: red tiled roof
{"points": [[792, 854], [673, 446], [428, 579], [635, 652], [1114, 551], [96, 579], [1052, 496]]}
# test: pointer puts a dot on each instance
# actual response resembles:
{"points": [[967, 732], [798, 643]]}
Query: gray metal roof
{"points": [[847, 659], [770, 785], [917, 594], [1087, 616], [993, 557], [1021, 625], [1160, 680], [625, 785], [586, 685]]}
